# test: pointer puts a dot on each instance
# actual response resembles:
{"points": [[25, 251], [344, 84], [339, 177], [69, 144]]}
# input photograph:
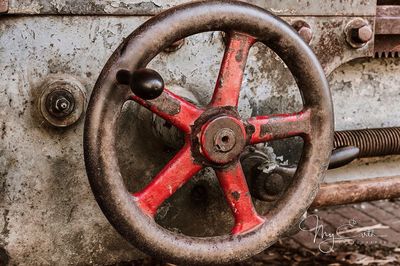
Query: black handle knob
{"points": [[147, 83]]}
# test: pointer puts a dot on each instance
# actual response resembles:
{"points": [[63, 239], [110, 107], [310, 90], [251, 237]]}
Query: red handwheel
{"points": [[215, 135]]}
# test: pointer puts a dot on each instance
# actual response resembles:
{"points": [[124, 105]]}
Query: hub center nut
{"points": [[60, 103], [224, 140]]}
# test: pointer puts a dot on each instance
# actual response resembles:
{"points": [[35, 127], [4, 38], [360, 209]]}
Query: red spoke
{"points": [[172, 108], [176, 173], [280, 126], [227, 89], [233, 183]]}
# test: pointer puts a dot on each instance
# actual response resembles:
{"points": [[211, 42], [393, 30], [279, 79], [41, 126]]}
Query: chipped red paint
{"points": [[179, 170], [237, 194], [173, 109], [227, 89], [183, 115], [279, 126]]}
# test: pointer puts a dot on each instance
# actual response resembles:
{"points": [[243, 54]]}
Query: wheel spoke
{"points": [[227, 89], [233, 183], [176, 173], [280, 126], [172, 108]]}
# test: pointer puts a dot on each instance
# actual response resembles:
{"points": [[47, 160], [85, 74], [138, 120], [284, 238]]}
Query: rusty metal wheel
{"points": [[215, 135]]}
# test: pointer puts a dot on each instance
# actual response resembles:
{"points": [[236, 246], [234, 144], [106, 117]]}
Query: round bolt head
{"points": [[305, 33], [147, 83], [365, 33], [358, 33], [303, 29]]}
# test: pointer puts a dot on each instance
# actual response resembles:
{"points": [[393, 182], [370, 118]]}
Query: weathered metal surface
{"points": [[387, 46], [152, 7], [48, 213], [387, 31], [387, 20], [50, 217], [347, 192], [250, 232]]}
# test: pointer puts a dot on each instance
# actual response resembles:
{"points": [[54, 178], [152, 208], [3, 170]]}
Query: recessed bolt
{"points": [[306, 34], [60, 103], [62, 100], [358, 33], [363, 34], [304, 30]]}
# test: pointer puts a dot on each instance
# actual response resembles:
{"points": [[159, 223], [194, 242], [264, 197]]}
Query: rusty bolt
{"points": [[3, 6], [305, 33], [304, 30], [363, 34], [358, 33]]}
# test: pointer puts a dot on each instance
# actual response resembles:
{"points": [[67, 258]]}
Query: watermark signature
{"points": [[348, 233]]}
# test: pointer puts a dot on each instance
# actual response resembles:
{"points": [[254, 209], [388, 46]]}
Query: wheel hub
{"points": [[222, 139]]}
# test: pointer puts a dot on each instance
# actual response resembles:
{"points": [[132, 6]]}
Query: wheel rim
{"points": [[107, 98]]}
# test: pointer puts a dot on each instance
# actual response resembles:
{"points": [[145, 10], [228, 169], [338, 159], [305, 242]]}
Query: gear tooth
{"points": [[387, 54]]}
